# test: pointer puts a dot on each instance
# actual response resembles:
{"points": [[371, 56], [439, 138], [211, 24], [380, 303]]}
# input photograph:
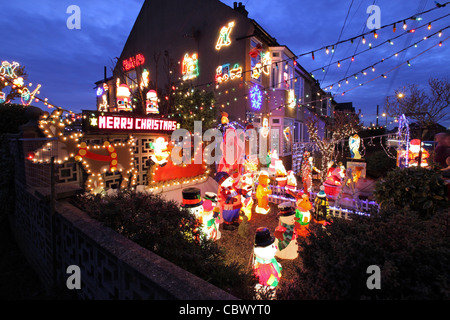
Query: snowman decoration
{"points": [[192, 201], [210, 221], [265, 266], [285, 234]]}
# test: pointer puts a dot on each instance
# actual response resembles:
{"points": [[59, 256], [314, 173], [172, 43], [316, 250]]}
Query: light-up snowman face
{"points": [[289, 220], [228, 182], [197, 211], [266, 253]]}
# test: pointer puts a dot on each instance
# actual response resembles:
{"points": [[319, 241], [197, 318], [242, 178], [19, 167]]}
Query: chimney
{"points": [[240, 8]]}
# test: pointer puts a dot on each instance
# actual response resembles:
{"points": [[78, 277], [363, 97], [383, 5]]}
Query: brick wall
{"points": [[112, 267]]}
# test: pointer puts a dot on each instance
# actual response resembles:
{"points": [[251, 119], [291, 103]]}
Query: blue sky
{"points": [[68, 62]]}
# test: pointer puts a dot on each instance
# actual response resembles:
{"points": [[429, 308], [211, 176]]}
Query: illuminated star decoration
{"points": [[256, 97], [93, 121]]}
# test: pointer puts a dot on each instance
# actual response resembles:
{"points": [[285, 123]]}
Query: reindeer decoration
{"points": [[95, 159]]}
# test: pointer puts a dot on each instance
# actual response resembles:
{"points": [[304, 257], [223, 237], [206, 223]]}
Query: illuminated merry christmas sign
{"points": [[133, 62], [96, 122]]}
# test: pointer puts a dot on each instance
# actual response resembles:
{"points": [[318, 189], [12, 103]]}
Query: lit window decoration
{"points": [[133, 62], [286, 79], [265, 128], [123, 98], [256, 97], [145, 79], [2, 97], [224, 36], [103, 106], [266, 62], [256, 71], [152, 102], [287, 134], [292, 100], [190, 66], [26, 96]]}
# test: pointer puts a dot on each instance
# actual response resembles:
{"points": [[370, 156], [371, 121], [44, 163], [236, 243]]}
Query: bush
{"points": [[161, 227], [416, 189], [379, 164], [413, 256]]}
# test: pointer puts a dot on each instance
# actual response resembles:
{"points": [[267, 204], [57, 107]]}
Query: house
{"points": [[211, 46]]}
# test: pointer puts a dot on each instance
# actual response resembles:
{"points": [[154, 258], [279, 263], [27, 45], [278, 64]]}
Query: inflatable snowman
{"points": [[285, 234], [210, 221], [265, 266], [192, 201]]}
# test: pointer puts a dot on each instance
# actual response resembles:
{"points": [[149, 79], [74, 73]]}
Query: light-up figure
{"points": [[192, 201], [224, 36], [210, 221], [262, 192], [190, 66], [160, 151], [229, 200], [354, 143], [413, 154], [285, 235], [123, 95], [152, 102], [265, 266]]}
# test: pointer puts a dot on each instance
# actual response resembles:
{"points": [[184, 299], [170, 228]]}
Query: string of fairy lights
{"points": [[339, 82], [326, 48]]}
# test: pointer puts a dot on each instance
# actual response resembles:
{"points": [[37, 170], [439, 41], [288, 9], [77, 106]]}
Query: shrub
{"points": [[416, 189], [160, 226], [379, 164], [413, 256]]}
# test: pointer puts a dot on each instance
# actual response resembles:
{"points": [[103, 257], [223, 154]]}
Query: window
{"points": [[298, 87], [288, 131], [275, 139], [255, 58]]}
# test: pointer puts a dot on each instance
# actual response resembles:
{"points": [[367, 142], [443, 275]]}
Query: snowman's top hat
{"points": [[263, 238], [285, 209], [191, 198]]}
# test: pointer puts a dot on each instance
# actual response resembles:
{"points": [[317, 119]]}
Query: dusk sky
{"points": [[67, 63]]}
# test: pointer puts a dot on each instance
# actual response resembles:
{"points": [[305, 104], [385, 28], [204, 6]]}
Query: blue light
{"points": [[256, 97]]}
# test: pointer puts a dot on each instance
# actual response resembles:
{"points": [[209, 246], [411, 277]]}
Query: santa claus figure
{"points": [[413, 154], [229, 200]]}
